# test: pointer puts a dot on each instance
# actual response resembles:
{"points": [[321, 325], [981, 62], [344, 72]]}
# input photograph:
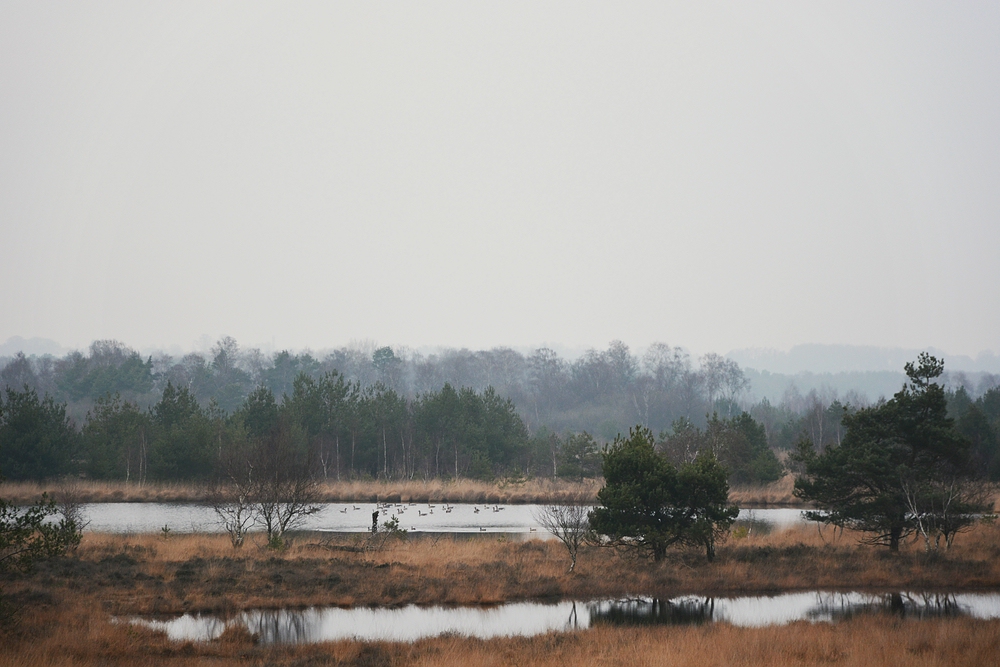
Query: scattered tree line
{"points": [[902, 467], [336, 430]]}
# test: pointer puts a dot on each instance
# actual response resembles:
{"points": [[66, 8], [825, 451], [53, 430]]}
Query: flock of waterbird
{"points": [[397, 510]]}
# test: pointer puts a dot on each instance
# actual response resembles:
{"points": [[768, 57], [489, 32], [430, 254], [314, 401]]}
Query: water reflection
{"points": [[405, 624], [652, 611], [928, 605], [781, 609], [410, 623]]}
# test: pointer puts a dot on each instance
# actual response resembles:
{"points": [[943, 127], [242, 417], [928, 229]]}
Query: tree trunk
{"points": [[142, 457], [402, 444], [894, 535]]}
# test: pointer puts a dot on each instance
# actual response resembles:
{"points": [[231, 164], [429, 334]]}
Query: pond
{"points": [[357, 518], [407, 624]]}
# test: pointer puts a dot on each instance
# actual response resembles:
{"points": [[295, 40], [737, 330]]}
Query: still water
{"points": [[411, 623], [357, 518]]}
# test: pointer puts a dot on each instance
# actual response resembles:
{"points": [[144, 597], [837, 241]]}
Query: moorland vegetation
{"points": [[665, 500], [122, 575]]}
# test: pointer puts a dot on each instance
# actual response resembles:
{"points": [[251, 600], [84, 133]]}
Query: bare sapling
{"points": [[570, 524]]}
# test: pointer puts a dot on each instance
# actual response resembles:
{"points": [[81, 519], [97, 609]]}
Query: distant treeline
{"points": [[380, 412], [604, 392], [335, 429]]}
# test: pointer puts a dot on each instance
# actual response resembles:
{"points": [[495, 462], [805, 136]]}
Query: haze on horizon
{"points": [[713, 176]]}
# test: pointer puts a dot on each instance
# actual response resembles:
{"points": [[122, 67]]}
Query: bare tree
{"points": [[569, 524], [734, 382], [665, 364], [713, 368], [723, 379], [941, 509], [234, 498], [286, 492], [225, 354], [69, 500]]}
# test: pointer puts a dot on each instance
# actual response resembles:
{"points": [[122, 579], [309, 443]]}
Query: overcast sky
{"points": [[715, 176]]}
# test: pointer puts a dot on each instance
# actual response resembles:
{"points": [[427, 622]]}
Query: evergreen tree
{"points": [[37, 440], [648, 505], [900, 468]]}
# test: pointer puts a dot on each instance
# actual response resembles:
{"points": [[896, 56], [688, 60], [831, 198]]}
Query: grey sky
{"points": [[708, 175]]}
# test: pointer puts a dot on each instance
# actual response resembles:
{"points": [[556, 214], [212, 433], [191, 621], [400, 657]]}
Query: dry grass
{"points": [[70, 635], [855, 643], [67, 604], [106, 492], [539, 490], [189, 573], [775, 494]]}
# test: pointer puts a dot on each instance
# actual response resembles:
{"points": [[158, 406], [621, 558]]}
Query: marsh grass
{"points": [[142, 574], [539, 490], [88, 491], [776, 494], [66, 606], [875, 643], [71, 635], [534, 491]]}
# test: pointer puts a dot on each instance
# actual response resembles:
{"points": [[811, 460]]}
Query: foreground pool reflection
{"points": [[411, 623]]}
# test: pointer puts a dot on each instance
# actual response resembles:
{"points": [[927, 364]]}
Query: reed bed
{"points": [[89, 491], [538, 490], [533, 491], [775, 494]]}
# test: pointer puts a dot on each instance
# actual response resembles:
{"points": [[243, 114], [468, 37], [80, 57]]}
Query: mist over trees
{"points": [[381, 412]]}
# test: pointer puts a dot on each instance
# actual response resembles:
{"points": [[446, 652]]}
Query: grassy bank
{"points": [[65, 637], [145, 574], [538, 490], [152, 574], [66, 605]]}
